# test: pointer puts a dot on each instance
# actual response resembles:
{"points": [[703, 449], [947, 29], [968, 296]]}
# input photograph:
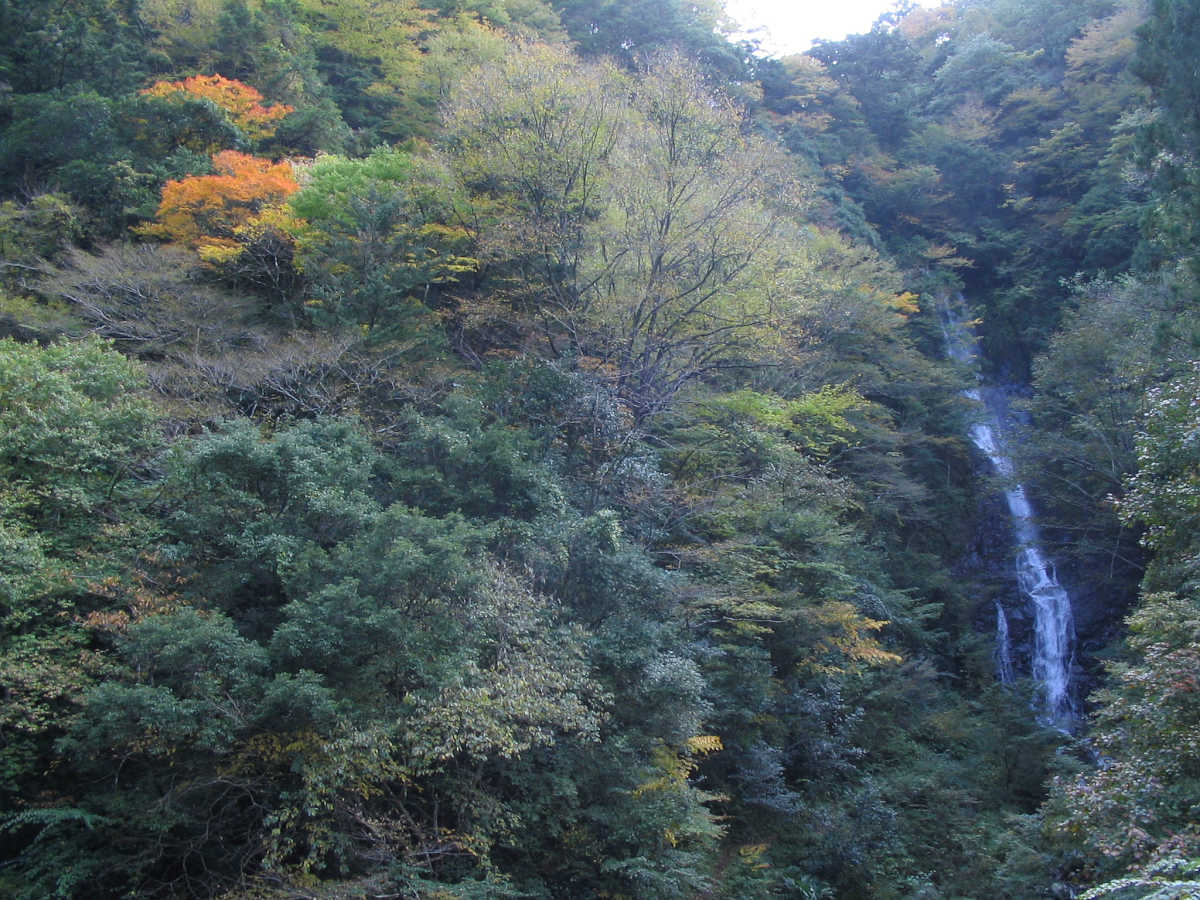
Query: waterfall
{"points": [[1004, 663], [1053, 627]]}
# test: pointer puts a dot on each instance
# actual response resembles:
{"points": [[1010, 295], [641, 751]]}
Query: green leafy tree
{"points": [[379, 236], [1135, 812], [76, 429], [50, 46], [40, 229], [530, 135], [639, 233], [375, 47], [1163, 493], [674, 283], [632, 31], [88, 162], [264, 43], [371, 662], [1120, 338], [877, 69], [74, 425], [1169, 142]]}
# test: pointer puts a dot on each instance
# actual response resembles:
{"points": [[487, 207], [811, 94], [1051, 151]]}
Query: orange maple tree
{"points": [[242, 102], [205, 212]]}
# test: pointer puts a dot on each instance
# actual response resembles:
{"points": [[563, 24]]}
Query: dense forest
{"points": [[508, 448]]}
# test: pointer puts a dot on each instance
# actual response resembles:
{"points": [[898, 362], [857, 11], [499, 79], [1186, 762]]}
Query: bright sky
{"points": [[790, 26]]}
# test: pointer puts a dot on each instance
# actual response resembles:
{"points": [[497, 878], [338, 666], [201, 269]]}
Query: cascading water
{"points": [[1052, 652], [1004, 663]]}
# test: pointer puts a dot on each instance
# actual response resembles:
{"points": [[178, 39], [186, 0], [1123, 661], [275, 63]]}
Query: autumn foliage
{"points": [[242, 102], [204, 212]]}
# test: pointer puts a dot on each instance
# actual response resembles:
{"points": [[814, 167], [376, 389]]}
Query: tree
{"points": [[633, 31], [638, 232], [1164, 493], [75, 141], [242, 103], [1118, 339], [49, 46], [1133, 816], [980, 65], [531, 135], [1170, 142], [676, 279], [150, 300], [42, 228], [370, 53], [74, 421], [370, 665], [264, 44], [379, 235], [76, 431], [204, 212], [206, 347], [877, 69]]}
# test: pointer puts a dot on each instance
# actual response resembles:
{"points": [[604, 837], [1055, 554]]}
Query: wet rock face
{"points": [[1104, 584], [1101, 603], [1098, 616]]}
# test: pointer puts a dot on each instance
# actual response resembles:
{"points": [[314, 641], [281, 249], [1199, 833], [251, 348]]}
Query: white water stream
{"points": [[1053, 627], [1004, 663]]}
